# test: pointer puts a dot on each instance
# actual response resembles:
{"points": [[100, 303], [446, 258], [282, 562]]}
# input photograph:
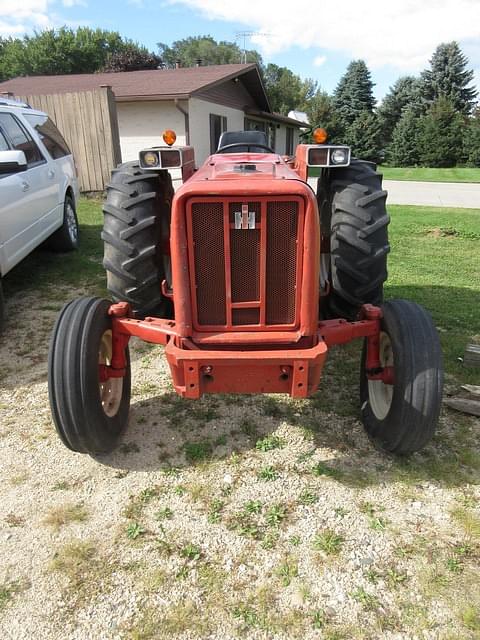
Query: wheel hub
{"points": [[381, 394], [71, 222], [112, 388]]}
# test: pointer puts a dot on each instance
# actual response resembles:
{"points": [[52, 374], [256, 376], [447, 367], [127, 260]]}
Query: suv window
{"points": [[20, 139], [3, 142], [49, 135]]}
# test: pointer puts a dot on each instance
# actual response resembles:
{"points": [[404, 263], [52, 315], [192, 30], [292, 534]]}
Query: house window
{"points": [[254, 125], [218, 124], [272, 135], [269, 128], [289, 142]]}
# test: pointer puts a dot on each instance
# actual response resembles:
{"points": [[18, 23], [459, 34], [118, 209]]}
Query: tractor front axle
{"points": [[245, 362]]}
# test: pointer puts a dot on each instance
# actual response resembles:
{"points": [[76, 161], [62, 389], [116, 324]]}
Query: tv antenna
{"points": [[243, 35]]}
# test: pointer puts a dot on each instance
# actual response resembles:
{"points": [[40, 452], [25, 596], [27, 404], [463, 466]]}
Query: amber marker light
{"points": [[320, 135], [169, 136]]}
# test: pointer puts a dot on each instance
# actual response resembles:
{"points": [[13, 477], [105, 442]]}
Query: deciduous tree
{"points": [[57, 51], [205, 48]]}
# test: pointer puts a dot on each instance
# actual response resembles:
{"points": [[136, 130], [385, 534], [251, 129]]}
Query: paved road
{"points": [[437, 194]]}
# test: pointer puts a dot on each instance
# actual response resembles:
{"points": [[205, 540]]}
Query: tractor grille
{"points": [[244, 265]]}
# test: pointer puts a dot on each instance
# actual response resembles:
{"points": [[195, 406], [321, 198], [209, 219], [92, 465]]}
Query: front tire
{"points": [[89, 415], [401, 418]]}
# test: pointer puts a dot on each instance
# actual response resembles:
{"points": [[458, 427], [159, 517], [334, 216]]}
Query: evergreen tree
{"points": [[448, 77], [471, 140], [354, 93], [404, 151], [440, 140], [364, 136], [405, 92]]}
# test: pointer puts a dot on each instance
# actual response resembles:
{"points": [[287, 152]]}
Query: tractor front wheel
{"points": [[89, 412], [401, 417]]}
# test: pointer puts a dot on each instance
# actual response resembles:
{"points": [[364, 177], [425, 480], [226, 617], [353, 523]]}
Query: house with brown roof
{"points": [[198, 103]]}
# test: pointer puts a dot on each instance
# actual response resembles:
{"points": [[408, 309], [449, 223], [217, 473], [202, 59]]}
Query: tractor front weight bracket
{"points": [[298, 370]]}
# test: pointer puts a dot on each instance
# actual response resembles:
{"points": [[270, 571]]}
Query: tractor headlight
{"points": [[339, 156], [150, 159]]}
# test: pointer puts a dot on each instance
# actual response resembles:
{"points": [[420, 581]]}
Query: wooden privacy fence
{"points": [[88, 122]]}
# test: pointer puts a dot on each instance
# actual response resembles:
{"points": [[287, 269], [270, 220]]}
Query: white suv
{"points": [[38, 186]]}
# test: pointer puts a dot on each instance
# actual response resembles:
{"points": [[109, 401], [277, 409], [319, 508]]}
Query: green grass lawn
{"points": [[434, 261], [423, 174]]}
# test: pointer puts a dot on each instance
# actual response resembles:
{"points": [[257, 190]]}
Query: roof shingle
{"points": [[129, 84]]}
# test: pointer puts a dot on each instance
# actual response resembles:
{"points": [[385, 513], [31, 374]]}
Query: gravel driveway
{"points": [[229, 517]]}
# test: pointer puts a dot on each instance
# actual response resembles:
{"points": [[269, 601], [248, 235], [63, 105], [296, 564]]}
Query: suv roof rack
{"points": [[9, 102]]}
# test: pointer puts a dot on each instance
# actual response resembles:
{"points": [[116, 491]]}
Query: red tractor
{"points": [[247, 275]]}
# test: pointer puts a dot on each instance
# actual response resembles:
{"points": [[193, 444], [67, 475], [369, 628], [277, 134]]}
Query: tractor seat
{"points": [[249, 140]]}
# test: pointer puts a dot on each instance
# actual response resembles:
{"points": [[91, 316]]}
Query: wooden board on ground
{"points": [[464, 405], [474, 389], [472, 355]]}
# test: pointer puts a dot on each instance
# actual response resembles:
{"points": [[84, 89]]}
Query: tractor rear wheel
{"points": [[353, 212], [89, 414], [135, 231], [401, 417]]}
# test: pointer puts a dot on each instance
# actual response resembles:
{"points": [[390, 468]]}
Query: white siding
{"points": [[141, 124], [200, 111]]}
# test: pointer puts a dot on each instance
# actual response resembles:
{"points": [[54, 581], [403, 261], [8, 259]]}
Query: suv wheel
{"points": [[66, 238]]}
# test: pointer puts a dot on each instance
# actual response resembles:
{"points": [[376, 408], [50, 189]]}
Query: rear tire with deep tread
{"points": [[83, 423], [136, 225], [409, 421], [358, 239]]}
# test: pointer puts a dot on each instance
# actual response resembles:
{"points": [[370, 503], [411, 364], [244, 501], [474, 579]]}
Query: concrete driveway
{"points": [[436, 194]]}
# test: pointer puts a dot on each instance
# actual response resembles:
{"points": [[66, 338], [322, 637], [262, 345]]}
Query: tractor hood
{"points": [[232, 172]]}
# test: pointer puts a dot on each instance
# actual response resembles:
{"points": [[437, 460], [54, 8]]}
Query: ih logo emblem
{"points": [[244, 219]]}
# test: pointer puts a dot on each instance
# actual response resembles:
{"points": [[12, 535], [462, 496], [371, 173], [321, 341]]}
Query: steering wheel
{"points": [[245, 144]]}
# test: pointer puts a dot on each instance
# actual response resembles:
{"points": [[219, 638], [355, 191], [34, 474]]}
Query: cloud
{"points": [[319, 60], [402, 34], [30, 15]]}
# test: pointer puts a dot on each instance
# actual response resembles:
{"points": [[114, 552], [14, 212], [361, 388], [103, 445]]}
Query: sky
{"points": [[314, 38]]}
